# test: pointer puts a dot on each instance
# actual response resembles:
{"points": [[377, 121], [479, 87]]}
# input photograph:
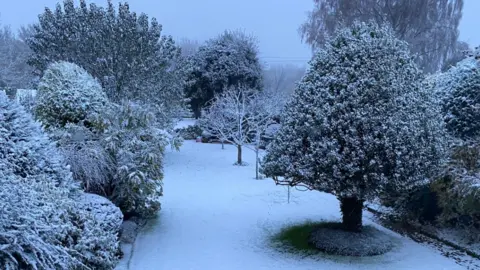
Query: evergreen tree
{"points": [[124, 51], [359, 123], [229, 60]]}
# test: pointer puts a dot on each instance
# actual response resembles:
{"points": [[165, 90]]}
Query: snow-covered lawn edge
{"points": [[448, 246]]}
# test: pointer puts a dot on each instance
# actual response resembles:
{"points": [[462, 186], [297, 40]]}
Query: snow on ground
{"points": [[217, 216]]}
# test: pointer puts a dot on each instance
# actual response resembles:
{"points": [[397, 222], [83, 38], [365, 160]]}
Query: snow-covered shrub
{"points": [[68, 94], [458, 188], [84, 150], [190, 132], [98, 223], [26, 149], [360, 124], [41, 224], [136, 147], [463, 107], [34, 221]]}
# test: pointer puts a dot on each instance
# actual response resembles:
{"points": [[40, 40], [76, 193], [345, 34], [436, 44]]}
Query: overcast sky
{"points": [[274, 22]]}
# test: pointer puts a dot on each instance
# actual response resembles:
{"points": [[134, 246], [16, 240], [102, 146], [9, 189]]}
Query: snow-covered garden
{"points": [[100, 170]]}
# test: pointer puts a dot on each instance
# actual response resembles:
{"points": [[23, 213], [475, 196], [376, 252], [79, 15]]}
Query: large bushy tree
{"points": [[429, 26], [359, 123], [125, 51], [229, 60]]}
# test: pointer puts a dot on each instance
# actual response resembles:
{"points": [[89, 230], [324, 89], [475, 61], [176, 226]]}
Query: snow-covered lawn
{"points": [[217, 216]]}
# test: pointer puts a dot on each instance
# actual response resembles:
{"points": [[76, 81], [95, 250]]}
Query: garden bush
{"points": [[68, 94], [42, 226]]}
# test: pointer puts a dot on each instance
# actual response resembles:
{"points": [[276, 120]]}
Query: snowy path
{"points": [[217, 216]]}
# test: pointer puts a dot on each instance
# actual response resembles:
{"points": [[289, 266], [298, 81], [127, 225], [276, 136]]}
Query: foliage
{"points": [[68, 94], [359, 123], [452, 198], [26, 149], [41, 226], [136, 147], [126, 52], [34, 223], [14, 52], [458, 188], [462, 104], [429, 26], [229, 60], [190, 132], [91, 164]]}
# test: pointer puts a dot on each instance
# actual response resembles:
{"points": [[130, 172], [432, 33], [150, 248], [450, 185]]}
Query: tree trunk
{"points": [[239, 154], [256, 163], [223, 144], [352, 209]]}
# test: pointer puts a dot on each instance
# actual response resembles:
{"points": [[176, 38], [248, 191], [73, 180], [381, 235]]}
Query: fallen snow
{"points": [[217, 216]]}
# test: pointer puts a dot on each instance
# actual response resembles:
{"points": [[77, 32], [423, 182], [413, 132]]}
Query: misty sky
{"points": [[274, 22]]}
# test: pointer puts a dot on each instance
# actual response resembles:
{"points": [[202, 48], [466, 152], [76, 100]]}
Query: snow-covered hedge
{"points": [[41, 224], [34, 222], [68, 94], [97, 223]]}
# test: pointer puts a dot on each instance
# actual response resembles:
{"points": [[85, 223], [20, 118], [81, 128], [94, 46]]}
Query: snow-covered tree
{"points": [[429, 26], [229, 60], [240, 116], [359, 123], [125, 51], [462, 102], [68, 94], [226, 117]]}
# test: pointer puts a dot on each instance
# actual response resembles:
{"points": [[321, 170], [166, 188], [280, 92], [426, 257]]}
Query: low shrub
{"points": [[190, 132]]}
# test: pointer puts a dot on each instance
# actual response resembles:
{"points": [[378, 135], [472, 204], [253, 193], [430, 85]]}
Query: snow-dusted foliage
{"points": [[26, 149], [226, 118], [462, 104], [98, 223], [27, 98], [34, 221], [68, 94], [141, 65], [84, 150], [136, 147], [41, 225], [229, 60], [359, 122]]}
